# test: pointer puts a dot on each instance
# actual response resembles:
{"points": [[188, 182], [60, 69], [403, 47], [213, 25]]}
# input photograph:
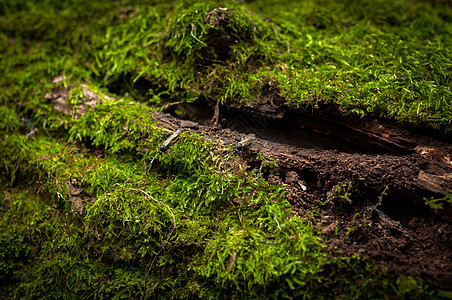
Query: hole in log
{"points": [[293, 128]]}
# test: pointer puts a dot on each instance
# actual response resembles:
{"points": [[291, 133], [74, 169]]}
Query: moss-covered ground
{"points": [[82, 217]]}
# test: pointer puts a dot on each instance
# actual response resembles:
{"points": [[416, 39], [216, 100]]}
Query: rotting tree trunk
{"points": [[373, 158], [376, 170]]}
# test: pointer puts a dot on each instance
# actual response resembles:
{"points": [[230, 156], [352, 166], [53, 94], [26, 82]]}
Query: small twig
{"points": [[226, 158], [238, 215], [60, 196], [277, 223], [168, 105], [84, 174]]}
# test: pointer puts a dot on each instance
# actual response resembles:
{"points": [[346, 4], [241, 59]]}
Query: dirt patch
{"points": [[59, 96], [367, 179]]}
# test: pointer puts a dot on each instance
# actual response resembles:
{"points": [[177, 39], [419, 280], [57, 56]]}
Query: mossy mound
{"points": [[380, 59], [201, 36]]}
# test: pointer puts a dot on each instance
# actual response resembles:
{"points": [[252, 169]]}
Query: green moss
{"points": [[374, 58], [75, 220], [115, 125], [9, 119], [392, 61]]}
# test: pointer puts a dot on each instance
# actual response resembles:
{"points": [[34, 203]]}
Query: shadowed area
{"points": [[293, 128]]}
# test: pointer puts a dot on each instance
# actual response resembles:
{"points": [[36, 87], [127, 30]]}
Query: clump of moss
{"points": [[364, 63], [368, 61], [199, 46], [9, 119], [115, 125], [203, 34]]}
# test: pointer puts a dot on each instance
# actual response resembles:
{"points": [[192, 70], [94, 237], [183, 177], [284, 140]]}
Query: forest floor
{"points": [[337, 165], [242, 149]]}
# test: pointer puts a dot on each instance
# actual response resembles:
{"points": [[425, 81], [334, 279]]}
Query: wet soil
{"points": [[366, 178]]}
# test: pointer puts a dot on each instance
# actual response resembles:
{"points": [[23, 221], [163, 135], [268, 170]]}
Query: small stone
{"points": [[57, 79]]}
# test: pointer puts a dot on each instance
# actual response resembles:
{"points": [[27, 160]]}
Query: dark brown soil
{"points": [[367, 179]]}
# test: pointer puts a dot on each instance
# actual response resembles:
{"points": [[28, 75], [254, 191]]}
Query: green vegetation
{"points": [[380, 58], [438, 203], [76, 215], [233, 236]]}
